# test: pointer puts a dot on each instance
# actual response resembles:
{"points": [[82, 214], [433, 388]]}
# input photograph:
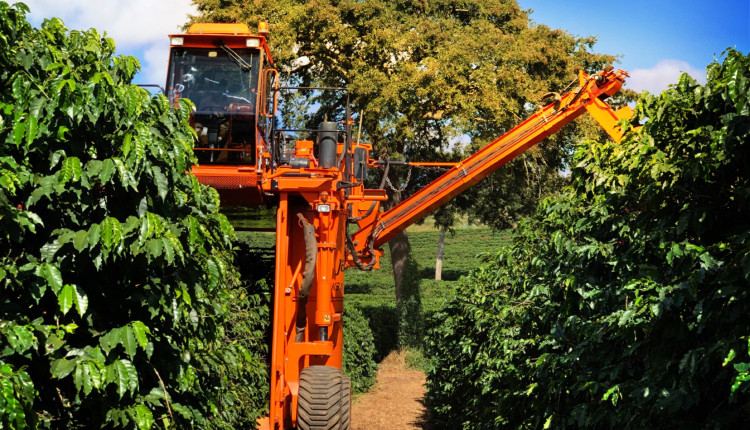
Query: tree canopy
{"points": [[427, 73]]}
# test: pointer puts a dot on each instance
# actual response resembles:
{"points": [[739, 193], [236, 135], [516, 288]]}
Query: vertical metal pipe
{"points": [[327, 146], [324, 281], [278, 350]]}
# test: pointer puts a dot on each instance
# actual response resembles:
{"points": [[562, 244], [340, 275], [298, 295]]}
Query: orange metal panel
{"points": [[231, 40], [325, 301], [216, 28], [237, 185]]}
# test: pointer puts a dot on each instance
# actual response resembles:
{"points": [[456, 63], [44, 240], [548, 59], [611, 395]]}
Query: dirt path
{"points": [[396, 400]]}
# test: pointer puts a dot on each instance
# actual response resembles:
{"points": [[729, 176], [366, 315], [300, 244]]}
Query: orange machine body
{"points": [[230, 127], [317, 184]]}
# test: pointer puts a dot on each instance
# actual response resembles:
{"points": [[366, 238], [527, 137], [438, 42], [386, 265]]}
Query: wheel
{"points": [[346, 404], [321, 405]]}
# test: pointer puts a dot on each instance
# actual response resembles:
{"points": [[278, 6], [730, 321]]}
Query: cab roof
{"points": [[234, 35], [216, 28]]}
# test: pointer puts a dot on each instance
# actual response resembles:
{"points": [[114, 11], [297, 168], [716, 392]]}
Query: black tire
{"points": [[346, 404], [319, 404]]}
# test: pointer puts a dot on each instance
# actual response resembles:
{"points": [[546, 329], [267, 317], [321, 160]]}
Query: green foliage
{"points": [[245, 378], [461, 255], [383, 323], [619, 301], [415, 359], [359, 351], [114, 264], [743, 370], [409, 309], [248, 326], [372, 292]]}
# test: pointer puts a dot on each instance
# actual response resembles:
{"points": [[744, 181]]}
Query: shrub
{"points": [[618, 302], [384, 326], [409, 309], [359, 351], [115, 265], [244, 380]]}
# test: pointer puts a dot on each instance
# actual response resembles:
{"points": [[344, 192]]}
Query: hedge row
{"points": [[117, 287], [624, 302]]}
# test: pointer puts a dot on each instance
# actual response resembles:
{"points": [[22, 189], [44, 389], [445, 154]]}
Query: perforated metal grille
{"points": [[229, 182]]}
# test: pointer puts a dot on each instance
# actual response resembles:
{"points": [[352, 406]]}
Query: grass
{"points": [[461, 254], [243, 217]]}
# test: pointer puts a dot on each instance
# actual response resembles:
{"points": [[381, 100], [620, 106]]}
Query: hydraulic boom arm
{"points": [[536, 128]]}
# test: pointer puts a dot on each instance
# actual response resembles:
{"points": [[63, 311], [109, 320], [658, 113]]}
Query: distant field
{"points": [[461, 254]]}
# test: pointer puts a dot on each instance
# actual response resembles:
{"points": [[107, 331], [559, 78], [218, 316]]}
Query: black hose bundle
{"points": [[308, 274]]}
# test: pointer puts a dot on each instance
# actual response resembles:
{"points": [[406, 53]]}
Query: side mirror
{"points": [[360, 163], [267, 75]]}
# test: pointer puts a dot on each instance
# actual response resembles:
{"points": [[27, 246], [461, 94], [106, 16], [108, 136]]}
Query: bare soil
{"points": [[396, 400]]}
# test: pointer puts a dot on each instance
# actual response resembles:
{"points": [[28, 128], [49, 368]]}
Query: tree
{"points": [[115, 266], [424, 73]]}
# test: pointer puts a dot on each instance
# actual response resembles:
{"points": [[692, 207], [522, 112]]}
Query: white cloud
{"points": [[129, 22], [154, 64], [658, 78], [137, 26]]}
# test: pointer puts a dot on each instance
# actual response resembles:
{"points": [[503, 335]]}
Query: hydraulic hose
{"points": [[308, 274]]}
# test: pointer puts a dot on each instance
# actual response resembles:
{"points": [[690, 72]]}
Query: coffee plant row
{"points": [[625, 301], [118, 299]]}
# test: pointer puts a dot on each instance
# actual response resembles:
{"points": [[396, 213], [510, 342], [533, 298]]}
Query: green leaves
{"points": [[110, 233], [100, 298], [16, 396], [123, 374], [143, 417], [214, 271], [89, 376], [19, 338], [51, 274], [743, 370], [70, 170], [130, 337], [622, 300], [62, 367], [162, 184], [72, 295], [359, 351]]}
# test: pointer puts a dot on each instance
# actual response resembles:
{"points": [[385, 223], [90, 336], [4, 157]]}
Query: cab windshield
{"points": [[223, 85]]}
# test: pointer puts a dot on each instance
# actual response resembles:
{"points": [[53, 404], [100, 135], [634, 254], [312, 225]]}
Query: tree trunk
{"points": [[439, 260], [399, 245]]}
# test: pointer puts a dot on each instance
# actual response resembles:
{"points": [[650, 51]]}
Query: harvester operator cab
{"points": [[218, 67]]}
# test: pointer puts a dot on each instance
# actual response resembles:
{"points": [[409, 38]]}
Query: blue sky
{"points": [[656, 39]]}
